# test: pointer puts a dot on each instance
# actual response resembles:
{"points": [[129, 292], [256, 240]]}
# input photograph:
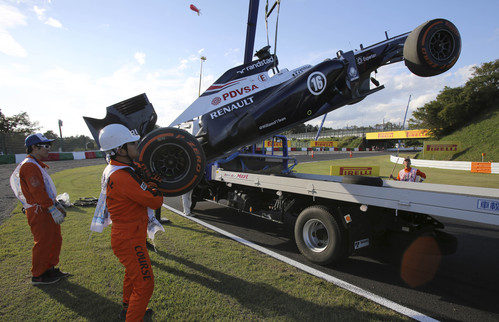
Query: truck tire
{"points": [[319, 237], [174, 157], [432, 48]]}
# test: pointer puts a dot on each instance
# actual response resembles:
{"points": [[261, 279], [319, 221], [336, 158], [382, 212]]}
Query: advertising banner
{"points": [[338, 170], [481, 167], [441, 149], [268, 144], [323, 144], [409, 134]]}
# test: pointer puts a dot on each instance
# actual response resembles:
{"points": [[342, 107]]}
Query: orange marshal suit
{"points": [[128, 198]]}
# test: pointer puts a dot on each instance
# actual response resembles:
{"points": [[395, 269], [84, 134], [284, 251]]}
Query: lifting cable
{"points": [[267, 14]]}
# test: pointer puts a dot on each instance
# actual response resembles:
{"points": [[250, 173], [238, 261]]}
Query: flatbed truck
{"points": [[334, 217]]}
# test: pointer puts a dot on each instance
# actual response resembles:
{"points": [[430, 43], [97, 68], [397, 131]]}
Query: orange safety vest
{"points": [[128, 198], [410, 175]]}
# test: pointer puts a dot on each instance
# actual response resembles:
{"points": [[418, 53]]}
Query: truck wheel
{"points": [[319, 237], [175, 157], [432, 48]]}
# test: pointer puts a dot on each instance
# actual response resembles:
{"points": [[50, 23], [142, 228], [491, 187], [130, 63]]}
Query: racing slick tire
{"points": [[319, 237], [432, 48], [175, 159]]}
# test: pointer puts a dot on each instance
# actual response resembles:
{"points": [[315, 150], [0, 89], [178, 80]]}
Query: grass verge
{"points": [[433, 175], [476, 138], [199, 275]]}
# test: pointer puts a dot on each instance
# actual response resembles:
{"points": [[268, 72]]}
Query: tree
{"points": [[455, 107], [19, 123], [51, 135]]}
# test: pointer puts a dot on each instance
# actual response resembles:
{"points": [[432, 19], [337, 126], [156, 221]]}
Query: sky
{"points": [[69, 59]]}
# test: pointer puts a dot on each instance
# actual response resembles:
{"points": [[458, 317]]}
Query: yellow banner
{"points": [[323, 144], [445, 149], [338, 170], [268, 144], [409, 134]]}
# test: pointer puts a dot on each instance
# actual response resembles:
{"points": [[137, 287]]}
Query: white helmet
{"points": [[113, 136]]}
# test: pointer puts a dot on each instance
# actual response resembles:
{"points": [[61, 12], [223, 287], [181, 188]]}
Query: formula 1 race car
{"points": [[247, 104]]}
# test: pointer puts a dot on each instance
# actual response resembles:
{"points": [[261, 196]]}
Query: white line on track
{"points": [[336, 281]]}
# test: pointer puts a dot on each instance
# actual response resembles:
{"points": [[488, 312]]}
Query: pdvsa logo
{"points": [[216, 101], [239, 92]]}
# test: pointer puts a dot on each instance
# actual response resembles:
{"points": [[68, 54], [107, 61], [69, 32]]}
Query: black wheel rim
{"points": [[441, 45], [171, 162]]}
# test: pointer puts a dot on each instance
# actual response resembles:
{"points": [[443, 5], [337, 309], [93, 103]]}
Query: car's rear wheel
{"points": [[175, 158]]}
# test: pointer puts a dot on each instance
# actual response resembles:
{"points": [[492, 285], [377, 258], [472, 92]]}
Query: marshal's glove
{"points": [[61, 208], [153, 185], [151, 179], [142, 171], [57, 215]]}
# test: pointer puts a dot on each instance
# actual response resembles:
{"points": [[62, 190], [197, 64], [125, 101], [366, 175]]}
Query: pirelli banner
{"points": [[369, 171], [323, 144], [409, 134], [442, 149]]}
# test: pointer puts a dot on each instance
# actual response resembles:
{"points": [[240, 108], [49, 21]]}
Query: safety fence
{"points": [[54, 156], [481, 167]]}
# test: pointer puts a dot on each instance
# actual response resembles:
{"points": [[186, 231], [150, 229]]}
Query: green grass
{"points": [[433, 175], [480, 136], [199, 274]]}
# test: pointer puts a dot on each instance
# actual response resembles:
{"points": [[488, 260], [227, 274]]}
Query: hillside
{"points": [[479, 135]]}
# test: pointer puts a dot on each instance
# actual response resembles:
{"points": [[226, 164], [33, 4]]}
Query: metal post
{"points": [[320, 127], [60, 133], [203, 58], [250, 30], [403, 126]]}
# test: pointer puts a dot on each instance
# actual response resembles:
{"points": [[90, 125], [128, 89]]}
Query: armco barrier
{"points": [[56, 156], [450, 165], [53, 157], [66, 156], [90, 155], [79, 155]]}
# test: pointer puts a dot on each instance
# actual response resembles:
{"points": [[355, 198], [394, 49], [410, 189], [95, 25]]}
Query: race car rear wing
{"points": [[136, 113]]}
